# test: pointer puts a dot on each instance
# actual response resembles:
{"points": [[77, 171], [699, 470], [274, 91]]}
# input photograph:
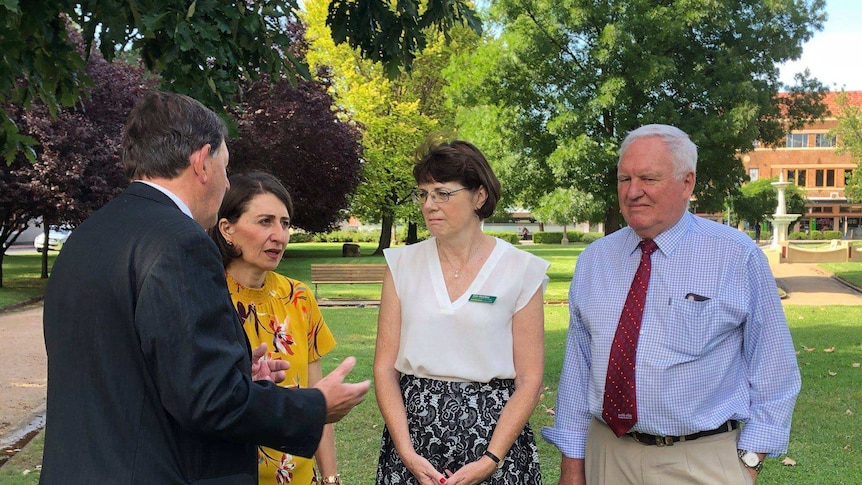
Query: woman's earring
{"points": [[229, 243]]}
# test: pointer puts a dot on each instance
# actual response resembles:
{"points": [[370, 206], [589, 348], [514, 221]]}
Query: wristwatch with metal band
{"points": [[750, 459], [336, 479]]}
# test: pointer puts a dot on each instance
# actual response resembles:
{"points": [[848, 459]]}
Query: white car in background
{"points": [[56, 239]]}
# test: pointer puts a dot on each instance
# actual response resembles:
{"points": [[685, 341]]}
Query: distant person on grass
{"points": [[150, 376], [460, 340], [252, 232], [679, 367]]}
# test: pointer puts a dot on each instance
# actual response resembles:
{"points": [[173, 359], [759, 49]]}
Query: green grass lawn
{"points": [[850, 272], [826, 437], [21, 277], [299, 257]]}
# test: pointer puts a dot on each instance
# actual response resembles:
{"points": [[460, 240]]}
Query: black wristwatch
{"points": [[750, 459]]}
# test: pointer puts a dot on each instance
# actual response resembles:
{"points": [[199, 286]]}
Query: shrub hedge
{"points": [[814, 235], [573, 236]]}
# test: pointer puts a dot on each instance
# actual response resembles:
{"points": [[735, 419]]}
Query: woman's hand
{"points": [[267, 370], [472, 473], [423, 470]]}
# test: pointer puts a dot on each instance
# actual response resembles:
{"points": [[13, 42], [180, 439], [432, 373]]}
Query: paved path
{"points": [[807, 284]]}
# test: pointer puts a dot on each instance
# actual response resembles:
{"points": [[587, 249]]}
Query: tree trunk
{"points": [[385, 234], [612, 219], [46, 229], [412, 233], [2, 255], [565, 240]]}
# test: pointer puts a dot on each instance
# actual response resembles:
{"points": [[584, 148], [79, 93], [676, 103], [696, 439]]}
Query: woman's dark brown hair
{"points": [[460, 161], [243, 188]]}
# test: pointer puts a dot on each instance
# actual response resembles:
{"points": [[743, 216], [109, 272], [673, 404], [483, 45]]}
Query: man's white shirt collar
{"points": [[182, 205]]}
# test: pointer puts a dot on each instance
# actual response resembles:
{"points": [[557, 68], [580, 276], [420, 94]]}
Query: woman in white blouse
{"points": [[460, 339]]}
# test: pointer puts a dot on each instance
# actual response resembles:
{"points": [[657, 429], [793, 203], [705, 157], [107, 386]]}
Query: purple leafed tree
{"points": [[294, 133], [78, 167]]}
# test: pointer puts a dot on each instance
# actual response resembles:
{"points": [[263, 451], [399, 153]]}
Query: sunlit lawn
{"points": [[299, 258], [850, 272], [826, 437]]}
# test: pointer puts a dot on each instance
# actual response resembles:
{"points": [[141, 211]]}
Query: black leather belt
{"points": [[648, 439]]}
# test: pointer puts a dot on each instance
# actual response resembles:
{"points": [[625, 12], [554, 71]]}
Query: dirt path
{"points": [[23, 366]]}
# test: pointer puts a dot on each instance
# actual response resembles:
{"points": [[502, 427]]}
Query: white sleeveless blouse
{"points": [[471, 338]]}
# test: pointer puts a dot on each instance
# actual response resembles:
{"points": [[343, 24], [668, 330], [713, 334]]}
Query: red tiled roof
{"points": [[853, 97]]}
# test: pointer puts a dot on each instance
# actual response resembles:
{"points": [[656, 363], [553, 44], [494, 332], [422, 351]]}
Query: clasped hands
{"points": [[469, 474]]}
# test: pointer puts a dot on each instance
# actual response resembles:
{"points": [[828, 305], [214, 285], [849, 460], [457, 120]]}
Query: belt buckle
{"points": [[661, 441]]}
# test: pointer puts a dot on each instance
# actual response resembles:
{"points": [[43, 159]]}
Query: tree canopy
{"points": [[567, 206], [77, 166], [202, 48], [573, 77], [397, 115], [849, 136], [758, 201], [293, 132]]}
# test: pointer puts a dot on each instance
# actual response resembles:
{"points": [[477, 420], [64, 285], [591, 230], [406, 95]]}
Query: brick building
{"points": [[808, 159]]}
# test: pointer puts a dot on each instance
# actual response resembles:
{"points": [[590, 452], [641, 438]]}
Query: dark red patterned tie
{"points": [[620, 409]]}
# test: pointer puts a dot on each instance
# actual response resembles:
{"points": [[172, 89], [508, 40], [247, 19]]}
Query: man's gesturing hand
{"points": [[341, 397]]}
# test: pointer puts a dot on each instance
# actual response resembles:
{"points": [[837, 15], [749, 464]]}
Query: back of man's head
{"points": [[163, 130]]}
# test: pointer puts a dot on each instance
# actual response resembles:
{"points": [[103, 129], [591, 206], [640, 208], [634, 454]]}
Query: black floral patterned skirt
{"points": [[451, 424]]}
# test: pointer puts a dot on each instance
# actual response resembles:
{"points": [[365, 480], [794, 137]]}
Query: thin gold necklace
{"points": [[472, 253]]}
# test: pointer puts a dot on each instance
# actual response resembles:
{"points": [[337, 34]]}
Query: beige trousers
{"points": [[711, 460]]}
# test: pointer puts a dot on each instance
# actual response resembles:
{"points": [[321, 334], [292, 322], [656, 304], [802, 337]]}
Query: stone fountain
{"points": [[781, 219]]}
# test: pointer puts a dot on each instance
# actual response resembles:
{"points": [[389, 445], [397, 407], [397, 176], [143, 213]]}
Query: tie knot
{"points": [[648, 246]]}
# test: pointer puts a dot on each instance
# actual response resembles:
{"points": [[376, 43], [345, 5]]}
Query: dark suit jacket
{"points": [[148, 366]]}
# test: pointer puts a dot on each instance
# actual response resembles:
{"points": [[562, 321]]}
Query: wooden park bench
{"points": [[346, 274]]}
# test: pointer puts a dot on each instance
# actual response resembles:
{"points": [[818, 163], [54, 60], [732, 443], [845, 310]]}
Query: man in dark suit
{"points": [[150, 377]]}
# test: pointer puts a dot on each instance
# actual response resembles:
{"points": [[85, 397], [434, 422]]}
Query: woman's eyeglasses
{"points": [[437, 196]]}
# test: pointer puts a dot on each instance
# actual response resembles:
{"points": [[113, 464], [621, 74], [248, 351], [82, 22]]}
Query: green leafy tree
{"points": [[575, 77], [849, 137], [567, 206], [757, 201], [202, 48], [396, 115]]}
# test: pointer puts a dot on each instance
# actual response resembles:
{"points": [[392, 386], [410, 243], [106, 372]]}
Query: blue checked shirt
{"points": [[714, 343]]}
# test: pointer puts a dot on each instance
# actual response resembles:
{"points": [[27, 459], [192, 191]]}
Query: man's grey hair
{"points": [[682, 149]]}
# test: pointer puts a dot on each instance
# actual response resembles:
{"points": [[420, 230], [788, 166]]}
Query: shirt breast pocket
{"points": [[693, 328]]}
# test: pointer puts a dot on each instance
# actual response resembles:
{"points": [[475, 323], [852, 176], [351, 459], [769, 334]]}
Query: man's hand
{"points": [[266, 370], [572, 471], [341, 397]]}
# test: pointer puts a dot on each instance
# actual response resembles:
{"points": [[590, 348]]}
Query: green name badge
{"points": [[483, 298]]}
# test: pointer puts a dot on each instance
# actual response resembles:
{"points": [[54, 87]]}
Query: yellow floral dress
{"points": [[284, 315]]}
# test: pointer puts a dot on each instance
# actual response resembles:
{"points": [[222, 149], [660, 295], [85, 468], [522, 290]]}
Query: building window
{"points": [[797, 177], [823, 140], [797, 140], [824, 178], [753, 174]]}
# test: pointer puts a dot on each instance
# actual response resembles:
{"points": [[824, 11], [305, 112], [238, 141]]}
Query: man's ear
{"points": [[689, 179], [198, 160]]}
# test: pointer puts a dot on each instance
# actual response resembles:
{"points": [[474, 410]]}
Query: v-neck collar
{"points": [[439, 283]]}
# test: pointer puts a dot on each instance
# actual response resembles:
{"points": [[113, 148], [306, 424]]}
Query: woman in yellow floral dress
{"points": [[251, 233]]}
